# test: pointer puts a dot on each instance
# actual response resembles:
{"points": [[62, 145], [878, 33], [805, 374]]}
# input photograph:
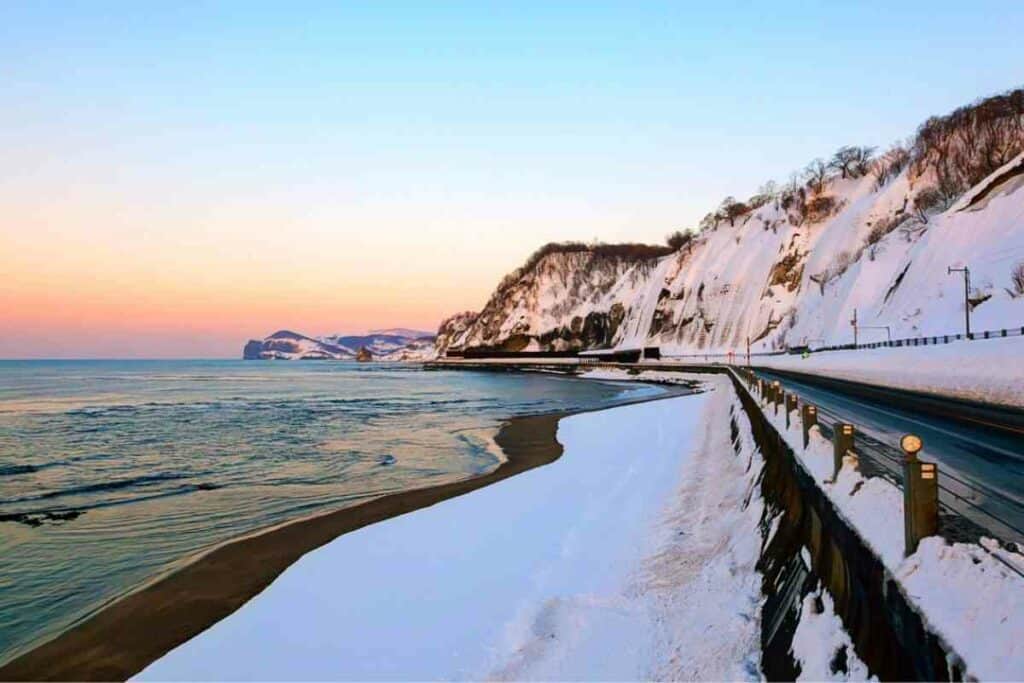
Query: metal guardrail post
{"points": [[790, 406], [920, 495], [809, 417], [842, 441]]}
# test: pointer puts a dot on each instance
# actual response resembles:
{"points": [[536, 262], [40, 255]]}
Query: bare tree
{"points": [[968, 144], [852, 161], [819, 208], [769, 189], [926, 199], [730, 209], [679, 239], [1017, 280], [816, 174], [710, 221], [890, 164], [948, 187]]}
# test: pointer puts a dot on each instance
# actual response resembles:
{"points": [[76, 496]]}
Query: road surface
{"points": [[981, 459]]}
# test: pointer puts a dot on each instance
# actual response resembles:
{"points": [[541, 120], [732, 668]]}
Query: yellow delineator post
{"points": [[842, 441], [809, 417], [920, 495], [790, 406]]}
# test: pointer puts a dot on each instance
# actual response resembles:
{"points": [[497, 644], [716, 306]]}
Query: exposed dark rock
{"points": [[253, 349]]}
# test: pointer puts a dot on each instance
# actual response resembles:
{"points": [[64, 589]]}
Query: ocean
{"points": [[113, 473]]}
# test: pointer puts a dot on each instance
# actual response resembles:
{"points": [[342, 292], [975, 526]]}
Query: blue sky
{"points": [[385, 133]]}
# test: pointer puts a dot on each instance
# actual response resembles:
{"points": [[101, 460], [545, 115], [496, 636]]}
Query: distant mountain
{"points": [[385, 345]]}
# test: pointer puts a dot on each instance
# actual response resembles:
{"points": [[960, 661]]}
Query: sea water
{"points": [[115, 472]]}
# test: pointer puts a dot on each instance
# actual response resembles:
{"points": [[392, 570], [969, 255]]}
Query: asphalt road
{"points": [[980, 457]]}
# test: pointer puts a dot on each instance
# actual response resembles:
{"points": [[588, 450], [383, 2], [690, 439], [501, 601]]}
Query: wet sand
{"points": [[123, 638]]}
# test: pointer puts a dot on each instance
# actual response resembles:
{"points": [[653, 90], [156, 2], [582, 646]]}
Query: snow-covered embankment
{"points": [[632, 556], [971, 596], [985, 370]]}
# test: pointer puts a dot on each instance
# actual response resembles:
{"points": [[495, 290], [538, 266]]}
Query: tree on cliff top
{"points": [[629, 251], [679, 239], [852, 161]]}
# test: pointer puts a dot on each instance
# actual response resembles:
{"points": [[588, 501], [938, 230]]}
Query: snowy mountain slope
{"points": [[383, 345], [451, 334], [790, 266], [568, 296]]}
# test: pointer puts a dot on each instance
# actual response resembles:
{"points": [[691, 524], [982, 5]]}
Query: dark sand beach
{"points": [[124, 637]]}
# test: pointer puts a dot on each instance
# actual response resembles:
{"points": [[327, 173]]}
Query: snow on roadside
{"points": [[962, 590], [987, 370], [822, 646], [698, 587], [617, 561], [621, 375], [703, 584]]}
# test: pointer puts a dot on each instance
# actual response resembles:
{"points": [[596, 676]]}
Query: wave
{"points": [[8, 470], [145, 480], [39, 516]]}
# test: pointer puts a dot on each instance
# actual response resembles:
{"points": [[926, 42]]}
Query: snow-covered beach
{"points": [[632, 556]]}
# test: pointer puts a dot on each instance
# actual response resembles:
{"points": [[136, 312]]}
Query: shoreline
{"points": [[125, 636]]}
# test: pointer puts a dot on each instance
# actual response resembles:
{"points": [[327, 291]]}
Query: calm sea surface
{"points": [[113, 472]]}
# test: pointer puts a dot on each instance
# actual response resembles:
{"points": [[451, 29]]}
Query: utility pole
{"points": [[967, 294], [854, 323]]}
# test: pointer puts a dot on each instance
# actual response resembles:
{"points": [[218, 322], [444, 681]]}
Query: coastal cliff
{"points": [[866, 234]]}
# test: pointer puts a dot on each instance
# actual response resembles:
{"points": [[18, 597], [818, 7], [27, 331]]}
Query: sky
{"points": [[177, 178]]}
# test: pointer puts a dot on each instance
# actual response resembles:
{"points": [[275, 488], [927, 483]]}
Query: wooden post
{"points": [[842, 441], [809, 416], [776, 395], [790, 406], [920, 495]]}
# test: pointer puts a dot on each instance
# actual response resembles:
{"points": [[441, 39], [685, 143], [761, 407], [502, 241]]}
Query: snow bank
{"points": [[986, 370], [620, 375], [702, 586], [631, 556], [965, 592], [822, 646]]}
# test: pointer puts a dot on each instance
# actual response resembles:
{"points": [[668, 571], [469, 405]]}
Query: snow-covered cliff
{"points": [[791, 265], [567, 296]]}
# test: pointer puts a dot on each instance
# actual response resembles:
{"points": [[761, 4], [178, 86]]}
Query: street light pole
{"points": [[854, 323], [967, 294]]}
